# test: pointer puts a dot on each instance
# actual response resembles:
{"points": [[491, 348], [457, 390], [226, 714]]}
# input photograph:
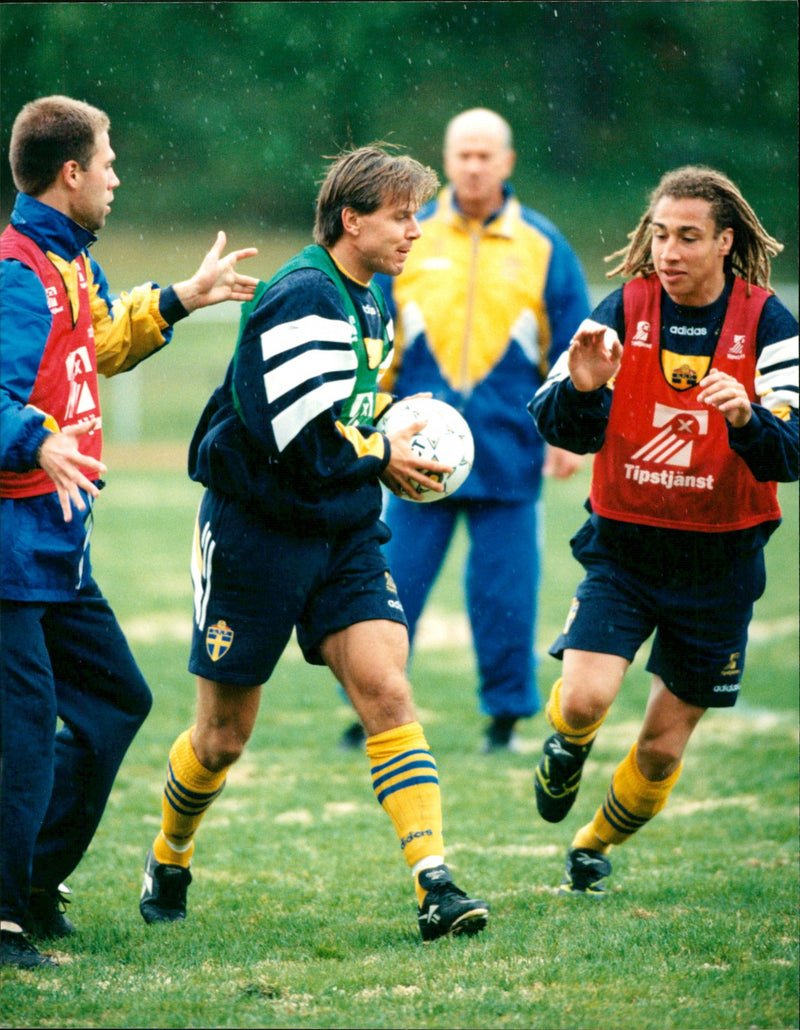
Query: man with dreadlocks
{"points": [[684, 385]]}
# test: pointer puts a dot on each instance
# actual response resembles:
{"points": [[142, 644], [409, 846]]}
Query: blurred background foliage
{"points": [[223, 113]]}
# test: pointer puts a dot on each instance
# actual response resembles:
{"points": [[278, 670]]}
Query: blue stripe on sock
{"points": [[620, 818], [185, 806], [421, 764], [406, 783], [400, 758], [188, 794]]}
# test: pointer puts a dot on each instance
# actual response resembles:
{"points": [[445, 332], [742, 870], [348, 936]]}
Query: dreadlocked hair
{"points": [[752, 245]]}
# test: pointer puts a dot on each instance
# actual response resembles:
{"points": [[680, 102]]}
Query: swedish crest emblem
{"points": [[219, 638]]}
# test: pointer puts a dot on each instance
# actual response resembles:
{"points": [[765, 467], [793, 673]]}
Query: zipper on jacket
{"points": [[465, 385]]}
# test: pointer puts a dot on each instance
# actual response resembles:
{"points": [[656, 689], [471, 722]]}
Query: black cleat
{"points": [[163, 898], [500, 735], [353, 738], [46, 918], [584, 873], [17, 950], [558, 776], [447, 910]]}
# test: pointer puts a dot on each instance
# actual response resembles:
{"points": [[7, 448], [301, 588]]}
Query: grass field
{"points": [[302, 911]]}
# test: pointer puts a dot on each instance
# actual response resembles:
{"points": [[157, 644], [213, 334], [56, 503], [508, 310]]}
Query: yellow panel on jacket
{"points": [[469, 333]]}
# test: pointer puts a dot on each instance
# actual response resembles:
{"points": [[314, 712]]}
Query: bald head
{"points": [[478, 159], [478, 121]]}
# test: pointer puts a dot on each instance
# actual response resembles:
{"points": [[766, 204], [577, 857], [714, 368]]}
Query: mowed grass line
{"points": [[302, 911]]}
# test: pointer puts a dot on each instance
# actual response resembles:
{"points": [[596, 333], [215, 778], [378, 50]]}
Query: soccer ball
{"points": [[446, 438]]}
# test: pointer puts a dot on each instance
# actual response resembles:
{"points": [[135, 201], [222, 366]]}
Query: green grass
{"points": [[302, 910]]}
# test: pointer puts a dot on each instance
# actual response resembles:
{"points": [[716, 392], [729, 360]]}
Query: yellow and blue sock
{"points": [[631, 802], [189, 790], [406, 784]]}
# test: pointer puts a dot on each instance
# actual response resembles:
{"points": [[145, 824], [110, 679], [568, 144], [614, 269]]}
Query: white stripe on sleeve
{"points": [[288, 335], [311, 364], [776, 374], [290, 421]]}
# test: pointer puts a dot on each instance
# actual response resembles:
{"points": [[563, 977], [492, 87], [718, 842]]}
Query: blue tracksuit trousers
{"points": [[67, 661], [501, 584]]}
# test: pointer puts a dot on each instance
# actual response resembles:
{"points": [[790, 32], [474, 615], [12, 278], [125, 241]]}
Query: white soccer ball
{"points": [[446, 438]]}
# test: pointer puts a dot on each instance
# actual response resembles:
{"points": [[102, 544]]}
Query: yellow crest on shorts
{"points": [[219, 638]]}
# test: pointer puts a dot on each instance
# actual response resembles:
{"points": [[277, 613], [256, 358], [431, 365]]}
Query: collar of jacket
{"points": [[501, 223], [49, 228]]}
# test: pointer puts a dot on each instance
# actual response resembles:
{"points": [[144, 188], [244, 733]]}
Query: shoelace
{"points": [[60, 896], [441, 889], [62, 901]]}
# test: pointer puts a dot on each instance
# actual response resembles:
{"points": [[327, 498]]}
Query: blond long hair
{"points": [[752, 248]]}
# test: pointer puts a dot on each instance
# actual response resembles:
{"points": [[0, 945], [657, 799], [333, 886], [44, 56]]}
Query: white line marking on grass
{"points": [[678, 808], [341, 809], [299, 817], [518, 850], [765, 631]]}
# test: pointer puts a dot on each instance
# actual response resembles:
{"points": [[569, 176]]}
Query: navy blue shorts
{"points": [[700, 619], [254, 585]]}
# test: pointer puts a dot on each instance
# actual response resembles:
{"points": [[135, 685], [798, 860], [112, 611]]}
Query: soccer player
{"points": [[289, 534], [684, 385], [64, 655], [485, 305]]}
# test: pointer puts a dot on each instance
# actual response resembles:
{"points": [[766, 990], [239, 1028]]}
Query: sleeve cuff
{"points": [[588, 398], [387, 453], [746, 434], [25, 457], [170, 308]]}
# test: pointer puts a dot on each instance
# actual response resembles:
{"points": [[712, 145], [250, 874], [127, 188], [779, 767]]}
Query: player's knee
{"points": [[583, 707], [657, 758], [384, 705], [219, 747], [385, 684]]}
